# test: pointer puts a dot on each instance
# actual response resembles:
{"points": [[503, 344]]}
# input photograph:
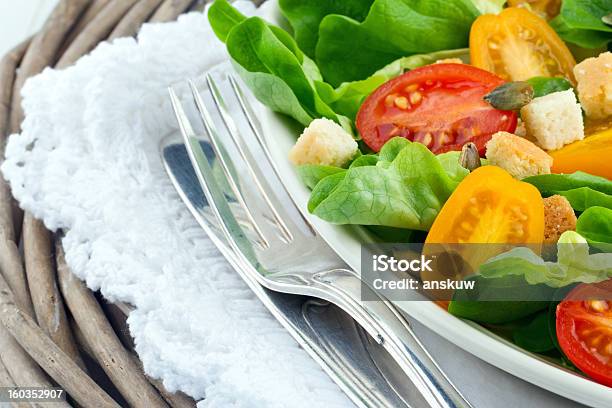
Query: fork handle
{"points": [[389, 328]]}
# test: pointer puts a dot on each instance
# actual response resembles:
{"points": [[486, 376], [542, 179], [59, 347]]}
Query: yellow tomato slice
{"points": [[517, 45], [547, 9], [490, 206], [591, 155]]}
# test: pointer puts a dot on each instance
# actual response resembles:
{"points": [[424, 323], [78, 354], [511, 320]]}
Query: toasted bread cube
{"points": [[594, 76], [517, 156], [559, 217], [323, 142], [554, 120]]}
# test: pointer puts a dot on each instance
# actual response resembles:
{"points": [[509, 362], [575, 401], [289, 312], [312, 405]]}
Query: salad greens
{"points": [[580, 22], [499, 300], [305, 17], [285, 79], [270, 62], [311, 174], [223, 17], [392, 29], [489, 6], [582, 190], [544, 85], [595, 224], [574, 264], [340, 52], [405, 188], [535, 336]]}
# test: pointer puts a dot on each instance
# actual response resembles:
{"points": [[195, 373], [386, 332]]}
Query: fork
{"points": [[277, 246]]}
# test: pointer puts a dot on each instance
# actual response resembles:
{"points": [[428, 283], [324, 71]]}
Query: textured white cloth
{"points": [[87, 162]]}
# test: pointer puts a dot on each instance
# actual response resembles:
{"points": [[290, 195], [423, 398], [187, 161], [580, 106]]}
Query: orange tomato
{"points": [[547, 9], [489, 206], [591, 155], [517, 45]]}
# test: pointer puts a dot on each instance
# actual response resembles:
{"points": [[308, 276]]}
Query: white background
{"points": [[20, 18]]}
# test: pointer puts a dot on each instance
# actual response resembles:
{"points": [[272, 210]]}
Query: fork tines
{"points": [[256, 210]]}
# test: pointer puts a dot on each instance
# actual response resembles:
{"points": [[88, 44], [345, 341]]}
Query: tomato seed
{"points": [[415, 97], [402, 102], [411, 88], [599, 305]]}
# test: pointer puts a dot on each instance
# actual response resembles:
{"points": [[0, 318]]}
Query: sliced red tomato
{"points": [[440, 106], [584, 329]]}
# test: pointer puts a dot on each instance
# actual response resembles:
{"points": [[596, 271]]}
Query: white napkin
{"points": [[87, 162]]}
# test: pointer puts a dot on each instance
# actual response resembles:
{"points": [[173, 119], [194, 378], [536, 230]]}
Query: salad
{"points": [[459, 122]]}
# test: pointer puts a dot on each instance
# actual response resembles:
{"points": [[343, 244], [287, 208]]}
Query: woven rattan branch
{"points": [[41, 342]]}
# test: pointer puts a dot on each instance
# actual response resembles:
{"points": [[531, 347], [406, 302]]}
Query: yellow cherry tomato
{"points": [[547, 9], [517, 45], [489, 206], [592, 155]]}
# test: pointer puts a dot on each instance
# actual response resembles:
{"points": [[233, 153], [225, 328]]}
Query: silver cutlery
{"points": [[274, 246], [359, 365]]}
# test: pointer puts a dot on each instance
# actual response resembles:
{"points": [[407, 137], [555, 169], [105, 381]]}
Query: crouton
{"points": [[594, 77], [559, 217], [517, 156], [554, 120], [324, 142]]}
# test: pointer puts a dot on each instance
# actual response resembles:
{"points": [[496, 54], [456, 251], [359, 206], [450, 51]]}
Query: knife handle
{"points": [[390, 329]]}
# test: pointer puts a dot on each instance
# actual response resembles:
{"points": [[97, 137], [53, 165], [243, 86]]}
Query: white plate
{"points": [[280, 136]]}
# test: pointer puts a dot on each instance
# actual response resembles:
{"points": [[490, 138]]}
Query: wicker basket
{"points": [[89, 353]]}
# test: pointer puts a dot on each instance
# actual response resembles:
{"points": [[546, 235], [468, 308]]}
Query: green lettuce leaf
{"points": [[535, 336], [311, 174], [582, 190], [595, 224], [305, 17], [348, 97], [489, 6], [223, 17], [392, 29], [499, 300], [277, 72], [406, 188], [580, 23], [574, 264], [269, 61], [544, 85]]}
